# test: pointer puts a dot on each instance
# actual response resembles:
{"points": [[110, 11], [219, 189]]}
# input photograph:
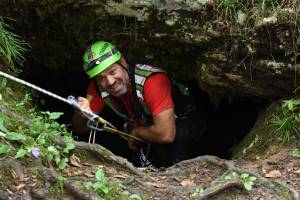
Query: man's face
{"points": [[114, 80]]}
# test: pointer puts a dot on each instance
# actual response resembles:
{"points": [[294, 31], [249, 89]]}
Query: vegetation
{"points": [[12, 47], [279, 126], [109, 189], [287, 124], [257, 9], [247, 180]]}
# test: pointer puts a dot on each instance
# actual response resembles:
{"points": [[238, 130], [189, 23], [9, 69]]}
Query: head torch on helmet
{"points": [[98, 57]]}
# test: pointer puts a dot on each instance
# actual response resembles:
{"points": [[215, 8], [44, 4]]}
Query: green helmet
{"points": [[98, 57]]}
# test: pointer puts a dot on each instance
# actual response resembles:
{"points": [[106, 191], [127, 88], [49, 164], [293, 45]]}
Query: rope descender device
{"points": [[93, 119]]}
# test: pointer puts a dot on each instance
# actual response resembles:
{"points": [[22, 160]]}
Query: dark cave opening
{"points": [[228, 123]]}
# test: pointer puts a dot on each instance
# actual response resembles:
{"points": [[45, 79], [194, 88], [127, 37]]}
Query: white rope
{"points": [[71, 100], [33, 87]]}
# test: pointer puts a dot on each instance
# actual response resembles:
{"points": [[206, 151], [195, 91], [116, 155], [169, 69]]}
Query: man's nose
{"points": [[110, 80]]}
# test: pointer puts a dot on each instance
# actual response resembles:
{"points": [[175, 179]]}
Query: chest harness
{"points": [[141, 112]]}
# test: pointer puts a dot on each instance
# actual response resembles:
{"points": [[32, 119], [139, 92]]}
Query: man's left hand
{"points": [[133, 143]]}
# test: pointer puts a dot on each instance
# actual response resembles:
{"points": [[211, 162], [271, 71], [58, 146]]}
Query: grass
{"points": [[256, 10], [12, 47]]}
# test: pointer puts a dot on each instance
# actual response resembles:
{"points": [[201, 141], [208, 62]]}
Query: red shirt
{"points": [[157, 96]]}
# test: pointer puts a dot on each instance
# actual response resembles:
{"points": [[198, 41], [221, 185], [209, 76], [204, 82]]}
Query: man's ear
{"points": [[123, 62]]}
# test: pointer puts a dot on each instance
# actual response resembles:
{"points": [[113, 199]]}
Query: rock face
{"points": [[248, 50]]}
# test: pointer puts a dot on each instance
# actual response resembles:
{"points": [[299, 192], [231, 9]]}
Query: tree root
{"points": [[105, 155], [8, 112], [213, 190], [139, 184], [228, 167], [52, 177]]}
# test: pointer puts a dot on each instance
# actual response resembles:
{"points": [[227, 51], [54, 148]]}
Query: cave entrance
{"points": [[228, 123]]}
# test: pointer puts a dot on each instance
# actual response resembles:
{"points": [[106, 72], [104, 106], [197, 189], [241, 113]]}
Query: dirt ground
{"points": [[281, 167], [277, 177]]}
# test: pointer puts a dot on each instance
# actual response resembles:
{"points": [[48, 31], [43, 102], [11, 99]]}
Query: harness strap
{"points": [[137, 105]]}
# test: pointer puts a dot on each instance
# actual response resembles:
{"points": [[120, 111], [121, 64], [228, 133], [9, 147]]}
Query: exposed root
{"points": [[105, 155], [8, 112], [70, 188], [77, 194], [228, 167], [216, 189]]}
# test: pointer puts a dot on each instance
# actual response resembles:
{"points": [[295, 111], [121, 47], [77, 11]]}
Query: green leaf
{"points": [[15, 136], [100, 175], [105, 190], [63, 163], [252, 178], [298, 41], [295, 153], [245, 175], [69, 147], [135, 196], [21, 153], [125, 193], [41, 141], [55, 115], [2, 127], [53, 150], [4, 149], [3, 82], [248, 186]]}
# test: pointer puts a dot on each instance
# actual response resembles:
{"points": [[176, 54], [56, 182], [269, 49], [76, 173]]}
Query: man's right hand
{"points": [[79, 120], [84, 103]]}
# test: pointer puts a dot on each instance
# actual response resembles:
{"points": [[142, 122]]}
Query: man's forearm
{"points": [[153, 134]]}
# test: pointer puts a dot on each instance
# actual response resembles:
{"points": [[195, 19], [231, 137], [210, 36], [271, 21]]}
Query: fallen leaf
{"points": [[297, 171], [120, 176], [9, 191], [20, 186], [176, 179], [187, 183], [88, 174], [32, 184], [273, 174], [75, 161]]}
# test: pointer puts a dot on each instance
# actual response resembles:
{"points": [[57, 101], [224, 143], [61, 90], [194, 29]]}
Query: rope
{"points": [[34, 87], [73, 102]]}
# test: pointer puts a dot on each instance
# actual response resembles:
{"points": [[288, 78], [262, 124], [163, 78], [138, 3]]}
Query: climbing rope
{"points": [[93, 119]]}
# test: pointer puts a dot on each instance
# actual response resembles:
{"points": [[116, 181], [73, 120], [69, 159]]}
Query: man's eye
{"points": [[113, 71], [100, 79]]}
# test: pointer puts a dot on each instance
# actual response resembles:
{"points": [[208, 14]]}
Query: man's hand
{"points": [[79, 120], [84, 103], [162, 131], [133, 144]]}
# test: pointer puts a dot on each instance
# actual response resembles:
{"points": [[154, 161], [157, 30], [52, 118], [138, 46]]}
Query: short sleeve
{"points": [[96, 102], [157, 93]]}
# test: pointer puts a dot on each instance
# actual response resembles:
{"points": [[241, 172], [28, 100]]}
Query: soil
{"points": [[277, 177]]}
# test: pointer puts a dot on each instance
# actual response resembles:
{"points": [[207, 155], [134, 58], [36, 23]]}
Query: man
{"points": [[143, 96]]}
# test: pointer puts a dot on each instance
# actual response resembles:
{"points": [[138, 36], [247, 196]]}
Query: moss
{"points": [[258, 141], [8, 175]]}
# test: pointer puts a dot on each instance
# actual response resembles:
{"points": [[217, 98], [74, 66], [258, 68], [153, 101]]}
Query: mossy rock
{"points": [[265, 138]]}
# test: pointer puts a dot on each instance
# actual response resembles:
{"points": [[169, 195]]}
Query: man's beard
{"points": [[118, 93]]}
